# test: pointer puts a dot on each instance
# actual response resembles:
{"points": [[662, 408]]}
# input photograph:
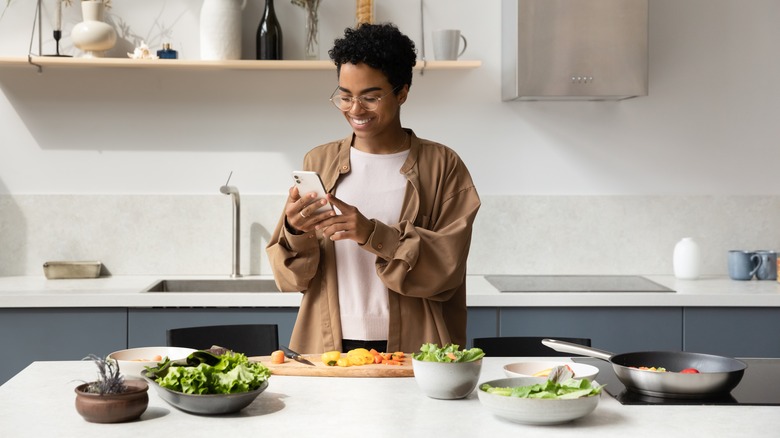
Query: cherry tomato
{"points": [[690, 371]]}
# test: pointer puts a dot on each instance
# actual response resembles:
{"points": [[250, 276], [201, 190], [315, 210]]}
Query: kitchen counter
{"points": [[39, 402], [126, 291]]}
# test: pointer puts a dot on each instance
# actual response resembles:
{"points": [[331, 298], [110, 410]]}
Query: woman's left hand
{"points": [[350, 224]]}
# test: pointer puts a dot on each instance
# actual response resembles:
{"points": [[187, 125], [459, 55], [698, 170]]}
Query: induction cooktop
{"points": [[760, 386], [574, 283]]}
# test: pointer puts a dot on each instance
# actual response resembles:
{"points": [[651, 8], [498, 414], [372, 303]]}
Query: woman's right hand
{"points": [[300, 210]]}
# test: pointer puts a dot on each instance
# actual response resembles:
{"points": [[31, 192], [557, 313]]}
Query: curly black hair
{"points": [[380, 46]]}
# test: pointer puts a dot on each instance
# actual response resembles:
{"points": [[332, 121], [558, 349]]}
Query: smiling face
{"points": [[378, 130]]}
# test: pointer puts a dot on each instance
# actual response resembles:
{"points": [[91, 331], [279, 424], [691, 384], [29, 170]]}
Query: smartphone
{"points": [[308, 182]]}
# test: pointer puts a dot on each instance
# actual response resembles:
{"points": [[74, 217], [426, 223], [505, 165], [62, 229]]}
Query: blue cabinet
{"points": [[615, 329], [733, 331], [27, 335]]}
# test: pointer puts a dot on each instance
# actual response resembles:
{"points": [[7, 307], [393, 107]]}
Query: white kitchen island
{"points": [[39, 402]]}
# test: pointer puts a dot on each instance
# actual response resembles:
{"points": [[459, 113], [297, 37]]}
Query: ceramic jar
{"points": [[93, 36], [113, 408], [687, 259], [220, 29]]}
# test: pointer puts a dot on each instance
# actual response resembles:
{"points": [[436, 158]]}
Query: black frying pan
{"points": [[717, 374]]}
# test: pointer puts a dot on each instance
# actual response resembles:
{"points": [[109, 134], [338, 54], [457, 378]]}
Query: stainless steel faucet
{"points": [[233, 192]]}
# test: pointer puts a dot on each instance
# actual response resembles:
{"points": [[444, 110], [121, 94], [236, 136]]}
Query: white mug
{"points": [[446, 43]]}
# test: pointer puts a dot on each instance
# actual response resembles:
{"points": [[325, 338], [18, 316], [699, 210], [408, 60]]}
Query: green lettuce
{"points": [[448, 353], [228, 373], [559, 385]]}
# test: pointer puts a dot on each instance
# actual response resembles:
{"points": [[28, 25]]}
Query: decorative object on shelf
{"points": [[269, 34], [141, 52], [364, 12], [57, 31], [167, 52], [93, 36], [687, 259], [311, 48], [111, 399], [220, 29]]}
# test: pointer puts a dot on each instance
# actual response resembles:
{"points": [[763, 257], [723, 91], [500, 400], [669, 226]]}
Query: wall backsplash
{"points": [[191, 234], [123, 165]]}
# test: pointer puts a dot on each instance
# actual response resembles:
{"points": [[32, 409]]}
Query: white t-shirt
{"points": [[376, 187]]}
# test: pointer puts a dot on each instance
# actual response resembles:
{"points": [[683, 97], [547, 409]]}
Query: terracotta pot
{"points": [[113, 408]]}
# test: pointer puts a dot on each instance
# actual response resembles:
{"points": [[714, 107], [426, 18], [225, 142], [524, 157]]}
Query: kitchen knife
{"points": [[296, 356]]}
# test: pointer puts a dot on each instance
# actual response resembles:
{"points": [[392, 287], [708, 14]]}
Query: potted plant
{"points": [[111, 399]]}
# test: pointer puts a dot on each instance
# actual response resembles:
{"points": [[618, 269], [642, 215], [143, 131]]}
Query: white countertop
{"points": [[39, 401], [126, 291]]}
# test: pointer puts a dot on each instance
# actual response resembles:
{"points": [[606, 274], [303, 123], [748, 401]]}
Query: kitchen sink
{"points": [[214, 285]]}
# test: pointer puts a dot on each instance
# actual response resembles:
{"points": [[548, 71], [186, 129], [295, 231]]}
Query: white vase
{"points": [[687, 259], [93, 36], [220, 29]]}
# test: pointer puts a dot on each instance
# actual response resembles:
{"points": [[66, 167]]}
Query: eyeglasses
{"points": [[369, 103]]}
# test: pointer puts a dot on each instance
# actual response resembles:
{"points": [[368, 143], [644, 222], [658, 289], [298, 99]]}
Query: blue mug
{"points": [[768, 267], [743, 265]]}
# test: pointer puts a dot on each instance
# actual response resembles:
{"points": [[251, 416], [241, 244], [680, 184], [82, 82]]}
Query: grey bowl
{"points": [[534, 411], [207, 404], [446, 380]]}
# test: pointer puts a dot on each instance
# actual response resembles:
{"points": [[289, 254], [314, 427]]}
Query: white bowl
{"points": [[446, 380], [538, 411], [530, 369], [134, 360]]}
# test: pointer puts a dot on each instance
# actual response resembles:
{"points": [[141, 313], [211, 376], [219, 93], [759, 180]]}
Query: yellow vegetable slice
{"points": [[543, 373], [360, 356], [331, 357]]}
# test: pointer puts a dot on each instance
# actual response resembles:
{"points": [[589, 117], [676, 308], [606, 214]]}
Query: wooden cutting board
{"points": [[293, 368]]}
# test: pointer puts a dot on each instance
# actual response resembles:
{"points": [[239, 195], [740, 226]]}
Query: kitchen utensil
{"points": [[537, 411], [530, 369], [743, 265], [446, 380], [59, 270], [767, 269], [209, 404], [134, 360], [293, 368], [718, 374], [296, 356]]}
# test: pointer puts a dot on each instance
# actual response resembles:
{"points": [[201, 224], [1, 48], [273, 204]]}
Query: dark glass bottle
{"points": [[269, 34], [167, 52]]}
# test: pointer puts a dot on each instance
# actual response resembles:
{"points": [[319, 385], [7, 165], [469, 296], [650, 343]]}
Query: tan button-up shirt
{"points": [[421, 259]]}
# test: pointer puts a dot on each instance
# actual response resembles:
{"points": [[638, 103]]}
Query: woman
{"points": [[387, 268]]}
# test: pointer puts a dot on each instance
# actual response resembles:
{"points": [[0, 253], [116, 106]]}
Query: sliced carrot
{"points": [[277, 357], [390, 362], [452, 356]]}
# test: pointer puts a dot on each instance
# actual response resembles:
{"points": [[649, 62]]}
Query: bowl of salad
{"points": [[134, 360], [447, 373], [535, 400], [209, 382]]}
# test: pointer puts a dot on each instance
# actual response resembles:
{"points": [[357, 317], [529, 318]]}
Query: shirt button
{"points": [[379, 246]]}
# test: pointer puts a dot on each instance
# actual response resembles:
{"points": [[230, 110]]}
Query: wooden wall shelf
{"points": [[183, 64]]}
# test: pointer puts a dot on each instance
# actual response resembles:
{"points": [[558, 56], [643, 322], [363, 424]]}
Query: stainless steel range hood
{"points": [[574, 49]]}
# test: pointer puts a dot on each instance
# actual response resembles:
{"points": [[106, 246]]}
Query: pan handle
{"points": [[568, 347]]}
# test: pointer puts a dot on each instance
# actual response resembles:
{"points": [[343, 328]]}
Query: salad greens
{"points": [[560, 384], [206, 373], [448, 353]]}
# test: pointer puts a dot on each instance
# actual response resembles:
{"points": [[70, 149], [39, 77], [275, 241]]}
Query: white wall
{"points": [[706, 131]]}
